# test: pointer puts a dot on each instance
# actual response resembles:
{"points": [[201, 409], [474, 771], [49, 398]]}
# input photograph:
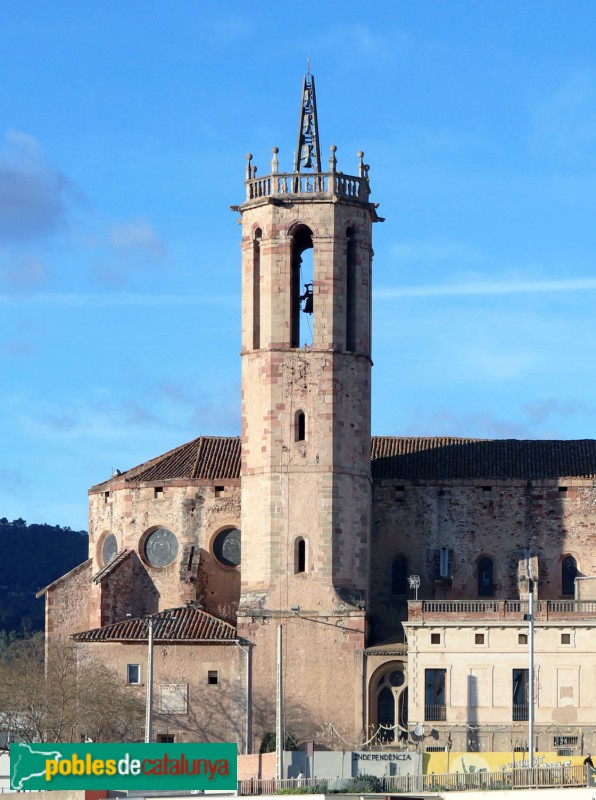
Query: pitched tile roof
{"points": [[205, 458], [185, 624], [392, 457], [445, 458]]}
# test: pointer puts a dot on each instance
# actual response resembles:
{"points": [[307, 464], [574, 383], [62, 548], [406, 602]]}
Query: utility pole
{"points": [[531, 673], [279, 720]]}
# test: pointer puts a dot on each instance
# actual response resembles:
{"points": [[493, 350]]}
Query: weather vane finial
{"points": [[308, 152], [308, 65]]}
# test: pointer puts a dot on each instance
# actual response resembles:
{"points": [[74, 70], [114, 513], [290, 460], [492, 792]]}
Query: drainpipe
{"points": [[247, 720]]}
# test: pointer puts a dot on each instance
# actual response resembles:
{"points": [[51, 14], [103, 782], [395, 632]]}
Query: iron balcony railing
{"points": [[435, 713], [520, 712]]}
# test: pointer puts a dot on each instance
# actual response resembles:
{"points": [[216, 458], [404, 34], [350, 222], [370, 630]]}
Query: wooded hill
{"points": [[31, 557]]}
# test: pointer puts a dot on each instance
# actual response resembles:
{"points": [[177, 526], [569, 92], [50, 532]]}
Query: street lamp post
{"points": [[414, 581], [149, 622]]}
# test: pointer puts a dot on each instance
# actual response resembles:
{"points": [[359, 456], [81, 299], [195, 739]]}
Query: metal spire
{"points": [[308, 152]]}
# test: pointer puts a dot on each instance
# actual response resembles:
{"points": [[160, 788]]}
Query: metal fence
{"points": [[519, 778]]}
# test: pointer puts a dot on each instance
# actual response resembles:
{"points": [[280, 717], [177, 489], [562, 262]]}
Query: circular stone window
{"points": [[396, 678], [226, 547], [161, 547], [109, 549]]}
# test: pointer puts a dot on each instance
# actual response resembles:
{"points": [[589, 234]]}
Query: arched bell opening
{"points": [[351, 310], [256, 289], [302, 295]]}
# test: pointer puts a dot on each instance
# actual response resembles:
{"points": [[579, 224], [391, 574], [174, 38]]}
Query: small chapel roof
{"points": [[408, 458], [184, 624]]}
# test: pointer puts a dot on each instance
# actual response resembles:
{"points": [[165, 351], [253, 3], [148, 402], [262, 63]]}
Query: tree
{"points": [[75, 697]]}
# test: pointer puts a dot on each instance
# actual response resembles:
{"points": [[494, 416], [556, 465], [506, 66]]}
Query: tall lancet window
{"points": [[350, 290], [256, 289], [568, 575], [299, 426], [302, 296]]}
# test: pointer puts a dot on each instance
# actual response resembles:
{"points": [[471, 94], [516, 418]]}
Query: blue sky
{"points": [[123, 133]]}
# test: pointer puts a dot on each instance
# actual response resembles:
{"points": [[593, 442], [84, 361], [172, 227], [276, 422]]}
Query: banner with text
{"points": [[146, 767]]}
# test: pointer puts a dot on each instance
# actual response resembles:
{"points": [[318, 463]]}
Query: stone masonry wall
{"points": [[195, 513], [322, 669], [67, 605], [497, 519], [213, 712]]}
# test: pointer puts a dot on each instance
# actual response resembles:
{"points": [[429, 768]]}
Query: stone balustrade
{"points": [[303, 184], [508, 610]]}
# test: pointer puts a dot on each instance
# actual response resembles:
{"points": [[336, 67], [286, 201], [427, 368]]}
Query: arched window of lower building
{"points": [[399, 575], [485, 577], [568, 575], [388, 706]]}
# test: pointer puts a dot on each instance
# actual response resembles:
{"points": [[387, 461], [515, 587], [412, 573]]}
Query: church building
{"points": [[381, 583]]}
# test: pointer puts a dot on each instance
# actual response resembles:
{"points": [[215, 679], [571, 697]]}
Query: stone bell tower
{"points": [[306, 408], [306, 362]]}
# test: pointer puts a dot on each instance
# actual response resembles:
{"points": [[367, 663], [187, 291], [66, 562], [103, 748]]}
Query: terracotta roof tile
{"points": [[446, 458], [205, 458], [186, 624], [216, 458]]}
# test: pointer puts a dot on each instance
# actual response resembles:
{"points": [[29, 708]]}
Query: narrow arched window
{"points": [[300, 426], [350, 290], [300, 555], [256, 289], [399, 575], [568, 575], [485, 577]]}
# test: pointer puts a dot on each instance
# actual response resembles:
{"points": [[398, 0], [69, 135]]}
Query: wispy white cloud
{"points": [[120, 299], [360, 39], [542, 418], [487, 288], [23, 273], [11, 481], [543, 410], [475, 425], [17, 348], [120, 249], [565, 123], [34, 193], [430, 252], [136, 236]]}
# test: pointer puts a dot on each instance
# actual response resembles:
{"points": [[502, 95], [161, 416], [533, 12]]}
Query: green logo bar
{"points": [[146, 767]]}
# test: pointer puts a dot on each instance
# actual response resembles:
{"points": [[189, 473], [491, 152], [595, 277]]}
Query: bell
{"points": [[307, 297]]}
